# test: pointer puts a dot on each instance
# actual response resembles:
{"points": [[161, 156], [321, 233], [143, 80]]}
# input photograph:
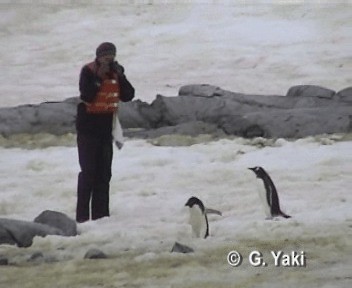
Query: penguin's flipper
{"points": [[212, 211]]}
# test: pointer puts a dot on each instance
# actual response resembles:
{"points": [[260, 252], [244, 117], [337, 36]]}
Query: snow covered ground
{"points": [[260, 49], [250, 47], [149, 188]]}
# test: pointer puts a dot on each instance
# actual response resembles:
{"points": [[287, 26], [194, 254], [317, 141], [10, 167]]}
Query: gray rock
{"points": [[290, 123], [50, 117], [203, 90], [21, 233], [39, 258], [6, 237], [58, 220], [180, 248], [36, 257], [193, 129], [95, 254], [184, 109], [345, 95], [138, 114], [4, 261], [234, 113], [243, 126], [297, 123], [310, 91]]}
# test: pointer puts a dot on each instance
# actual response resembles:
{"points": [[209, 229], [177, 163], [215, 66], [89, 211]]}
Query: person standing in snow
{"points": [[102, 85]]}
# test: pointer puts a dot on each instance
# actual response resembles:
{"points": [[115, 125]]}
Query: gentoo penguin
{"points": [[269, 196], [198, 218]]}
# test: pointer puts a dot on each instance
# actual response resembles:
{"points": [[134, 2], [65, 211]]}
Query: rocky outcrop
{"points": [[21, 233], [296, 115], [345, 95], [310, 91], [58, 220], [57, 118], [200, 109]]}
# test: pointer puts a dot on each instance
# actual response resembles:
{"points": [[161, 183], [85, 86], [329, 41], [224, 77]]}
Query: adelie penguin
{"points": [[268, 195], [198, 218]]}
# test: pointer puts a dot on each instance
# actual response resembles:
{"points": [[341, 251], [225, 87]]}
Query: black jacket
{"points": [[99, 125]]}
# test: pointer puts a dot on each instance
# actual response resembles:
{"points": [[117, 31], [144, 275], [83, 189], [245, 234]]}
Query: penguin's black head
{"points": [[259, 171], [194, 201]]}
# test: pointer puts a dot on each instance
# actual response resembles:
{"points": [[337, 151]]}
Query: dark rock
{"points": [[310, 91], [57, 118], [58, 220], [297, 123], [138, 114], [6, 237], [180, 248], [242, 126], [16, 120], [184, 109], [234, 113], [39, 258], [345, 95], [21, 233], [203, 90], [95, 254], [72, 100], [36, 257], [190, 129], [4, 261]]}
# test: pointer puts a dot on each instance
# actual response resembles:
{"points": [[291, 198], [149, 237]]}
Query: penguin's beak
{"points": [[253, 169]]}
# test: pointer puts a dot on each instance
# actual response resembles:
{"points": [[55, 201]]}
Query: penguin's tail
{"points": [[284, 215]]}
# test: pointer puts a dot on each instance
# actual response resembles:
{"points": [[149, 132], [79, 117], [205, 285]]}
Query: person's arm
{"points": [[126, 88], [89, 84]]}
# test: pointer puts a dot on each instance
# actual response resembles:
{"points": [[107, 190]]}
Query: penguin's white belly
{"points": [[263, 198], [197, 221]]}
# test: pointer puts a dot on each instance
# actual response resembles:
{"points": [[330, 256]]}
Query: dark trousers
{"points": [[95, 158]]}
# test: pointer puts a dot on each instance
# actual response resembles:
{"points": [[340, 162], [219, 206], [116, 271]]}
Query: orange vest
{"points": [[107, 97]]}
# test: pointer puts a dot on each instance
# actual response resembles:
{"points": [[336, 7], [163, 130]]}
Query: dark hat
{"points": [[105, 48]]}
